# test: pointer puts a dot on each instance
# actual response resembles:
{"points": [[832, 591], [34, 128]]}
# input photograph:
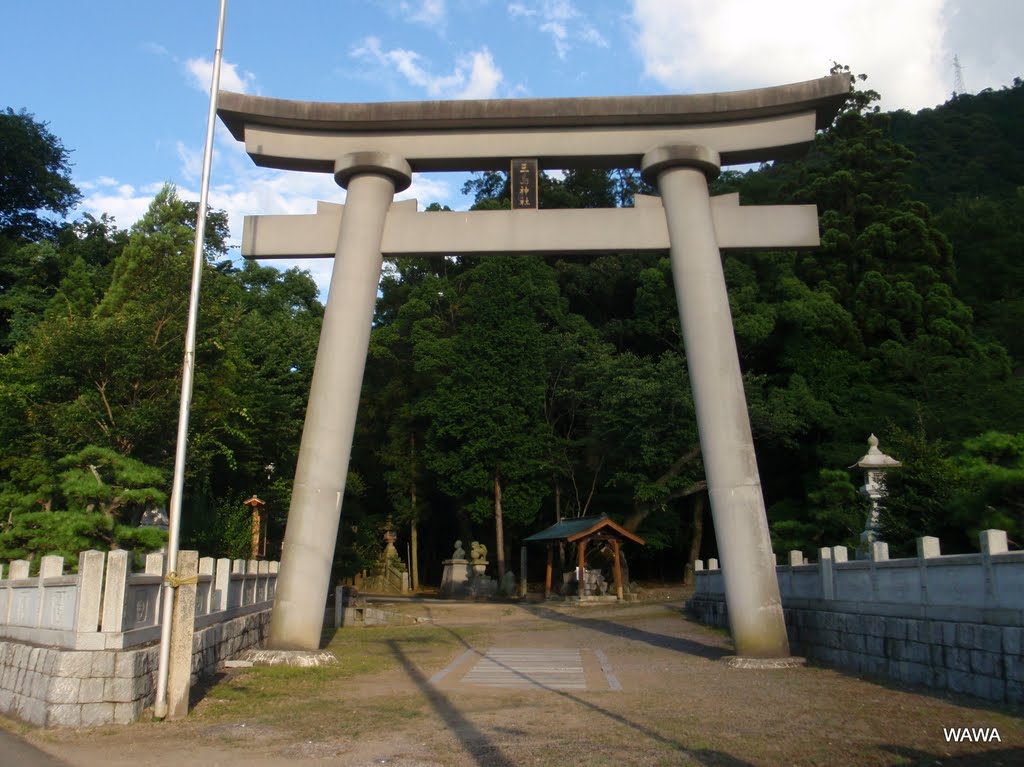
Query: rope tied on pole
{"points": [[174, 580]]}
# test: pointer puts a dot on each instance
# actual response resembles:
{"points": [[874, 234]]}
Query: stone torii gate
{"points": [[678, 143]]}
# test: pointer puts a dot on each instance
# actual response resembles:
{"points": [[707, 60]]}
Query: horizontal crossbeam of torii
{"points": [[677, 142], [639, 229]]}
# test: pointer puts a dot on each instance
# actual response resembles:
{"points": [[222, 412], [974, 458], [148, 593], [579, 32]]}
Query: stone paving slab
{"points": [[526, 668]]}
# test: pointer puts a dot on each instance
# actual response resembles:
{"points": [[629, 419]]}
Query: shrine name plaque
{"points": [[523, 182]]}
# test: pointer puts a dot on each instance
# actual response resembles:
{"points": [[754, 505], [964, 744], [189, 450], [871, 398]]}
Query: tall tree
{"points": [[35, 177], [487, 441]]}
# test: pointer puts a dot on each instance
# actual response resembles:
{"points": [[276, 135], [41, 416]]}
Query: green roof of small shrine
{"points": [[574, 529]]}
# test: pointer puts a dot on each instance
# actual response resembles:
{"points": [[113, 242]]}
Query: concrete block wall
{"points": [[53, 687]]}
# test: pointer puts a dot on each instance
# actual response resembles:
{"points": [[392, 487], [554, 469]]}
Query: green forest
{"points": [[516, 391]]}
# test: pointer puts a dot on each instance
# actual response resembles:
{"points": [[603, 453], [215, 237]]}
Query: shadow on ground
{"points": [[15, 751], [663, 641], [486, 753], [910, 757]]}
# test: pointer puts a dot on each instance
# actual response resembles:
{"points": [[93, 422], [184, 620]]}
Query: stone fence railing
{"points": [[916, 587], [105, 606]]}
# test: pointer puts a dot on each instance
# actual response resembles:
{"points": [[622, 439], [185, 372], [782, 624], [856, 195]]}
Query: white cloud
{"points": [[484, 77], [693, 45], [98, 183], [407, 63], [191, 160], [429, 188], [557, 31], [200, 72], [475, 75], [560, 19], [431, 13], [125, 203], [518, 9]]}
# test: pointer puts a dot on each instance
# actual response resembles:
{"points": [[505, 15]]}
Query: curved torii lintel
{"points": [[743, 126]]}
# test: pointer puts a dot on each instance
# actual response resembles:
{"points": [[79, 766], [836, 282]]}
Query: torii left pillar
{"points": [[372, 179]]}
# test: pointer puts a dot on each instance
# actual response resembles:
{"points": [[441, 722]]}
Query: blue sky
{"points": [[125, 84]]}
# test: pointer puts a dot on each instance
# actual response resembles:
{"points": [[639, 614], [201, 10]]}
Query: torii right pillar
{"points": [[681, 175]]}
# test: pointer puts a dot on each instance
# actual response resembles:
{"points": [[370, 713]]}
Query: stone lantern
{"points": [[875, 464], [258, 544], [389, 540]]}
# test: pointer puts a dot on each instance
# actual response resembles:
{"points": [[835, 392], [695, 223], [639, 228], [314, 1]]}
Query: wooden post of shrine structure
{"points": [[581, 568], [547, 573]]}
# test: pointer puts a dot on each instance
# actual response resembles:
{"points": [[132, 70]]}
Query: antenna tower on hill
{"points": [[958, 77]]}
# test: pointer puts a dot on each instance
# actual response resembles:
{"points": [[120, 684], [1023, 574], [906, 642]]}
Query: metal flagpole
{"points": [[174, 527]]}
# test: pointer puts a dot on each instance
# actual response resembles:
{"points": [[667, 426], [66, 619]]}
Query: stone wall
{"points": [[979, 659], [951, 623], [53, 687]]}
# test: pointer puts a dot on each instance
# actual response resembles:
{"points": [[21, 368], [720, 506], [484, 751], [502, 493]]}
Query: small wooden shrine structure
{"points": [[582, 531]]}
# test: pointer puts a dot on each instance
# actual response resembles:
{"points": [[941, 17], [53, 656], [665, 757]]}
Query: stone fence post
{"points": [[221, 584], [927, 548], [155, 563], [115, 589], [90, 591], [992, 542], [879, 553], [825, 572]]}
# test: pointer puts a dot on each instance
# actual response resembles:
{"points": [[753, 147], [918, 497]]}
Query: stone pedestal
{"points": [[455, 580], [482, 586]]}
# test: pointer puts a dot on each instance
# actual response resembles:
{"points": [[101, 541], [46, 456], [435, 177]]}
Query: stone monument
{"points": [[455, 579], [678, 142], [480, 584], [508, 583], [478, 553]]}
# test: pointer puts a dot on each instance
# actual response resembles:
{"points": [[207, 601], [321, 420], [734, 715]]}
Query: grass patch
{"points": [[307, 701]]}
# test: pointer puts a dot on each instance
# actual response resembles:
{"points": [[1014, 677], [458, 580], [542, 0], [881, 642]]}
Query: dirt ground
{"points": [[405, 697]]}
